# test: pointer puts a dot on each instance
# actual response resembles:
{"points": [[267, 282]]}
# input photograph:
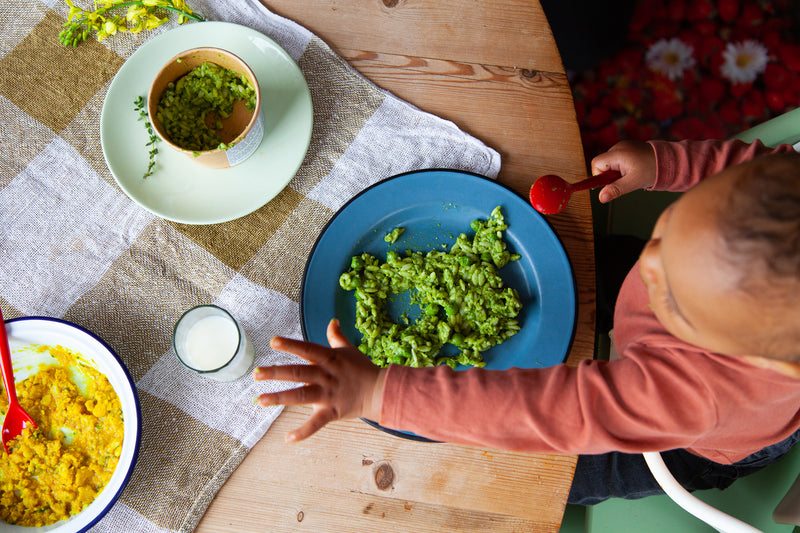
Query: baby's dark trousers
{"points": [[624, 475]]}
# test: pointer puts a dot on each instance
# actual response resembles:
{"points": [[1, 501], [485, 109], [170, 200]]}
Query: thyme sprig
{"points": [[139, 105], [107, 18]]}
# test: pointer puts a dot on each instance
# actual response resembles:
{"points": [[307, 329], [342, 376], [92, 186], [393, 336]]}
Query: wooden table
{"points": [[492, 68]]}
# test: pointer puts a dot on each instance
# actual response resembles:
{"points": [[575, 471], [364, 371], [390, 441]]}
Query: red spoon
{"points": [[16, 417], [550, 194]]}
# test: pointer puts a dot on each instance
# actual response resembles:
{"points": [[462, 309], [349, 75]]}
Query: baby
{"points": [[707, 325]]}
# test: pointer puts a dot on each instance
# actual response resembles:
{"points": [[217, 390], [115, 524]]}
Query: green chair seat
{"points": [[750, 499]]}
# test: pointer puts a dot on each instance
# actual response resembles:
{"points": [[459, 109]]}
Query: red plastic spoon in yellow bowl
{"points": [[550, 194], [16, 417]]}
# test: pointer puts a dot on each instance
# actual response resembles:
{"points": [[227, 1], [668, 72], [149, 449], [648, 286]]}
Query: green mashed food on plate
{"points": [[460, 295]]}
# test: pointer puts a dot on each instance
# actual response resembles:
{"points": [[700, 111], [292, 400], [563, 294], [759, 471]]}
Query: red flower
{"points": [[771, 30], [622, 97], [729, 111], [775, 100], [689, 79], [728, 9], [691, 38], [646, 12], [751, 16], [793, 90], [710, 45], [712, 90], [699, 10], [789, 55], [697, 104], [592, 90], [753, 105], [597, 117], [625, 99], [688, 128], [666, 106], [738, 90], [661, 85], [705, 27], [608, 136], [771, 39], [676, 10], [664, 29], [637, 130], [776, 76], [630, 60], [715, 128]]}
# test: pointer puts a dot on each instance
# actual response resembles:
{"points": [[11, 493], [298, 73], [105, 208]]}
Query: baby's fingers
{"points": [[311, 352], [316, 422], [296, 373], [299, 396], [610, 192], [335, 336]]}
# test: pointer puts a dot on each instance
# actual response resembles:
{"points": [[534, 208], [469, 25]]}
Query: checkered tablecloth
{"points": [[74, 246]]}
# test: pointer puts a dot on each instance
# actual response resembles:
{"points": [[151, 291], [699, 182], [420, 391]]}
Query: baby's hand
{"points": [[341, 382], [635, 160]]}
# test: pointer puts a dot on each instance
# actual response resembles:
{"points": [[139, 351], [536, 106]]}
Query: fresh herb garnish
{"points": [[139, 105], [105, 20]]}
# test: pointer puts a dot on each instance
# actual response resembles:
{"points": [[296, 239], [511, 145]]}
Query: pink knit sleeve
{"points": [[717, 406], [681, 165], [594, 408]]}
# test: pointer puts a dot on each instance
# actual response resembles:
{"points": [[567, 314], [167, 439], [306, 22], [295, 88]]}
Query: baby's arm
{"points": [[682, 165], [671, 166], [341, 382]]}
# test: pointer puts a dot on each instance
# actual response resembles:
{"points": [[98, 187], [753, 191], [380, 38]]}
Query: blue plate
{"points": [[434, 207]]}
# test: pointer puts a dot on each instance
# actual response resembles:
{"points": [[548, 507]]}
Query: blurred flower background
{"points": [[692, 69]]}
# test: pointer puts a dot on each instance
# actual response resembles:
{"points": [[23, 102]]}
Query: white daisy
{"points": [[744, 61], [670, 57]]}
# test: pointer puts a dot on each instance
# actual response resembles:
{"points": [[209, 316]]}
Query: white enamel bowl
{"points": [[24, 334]]}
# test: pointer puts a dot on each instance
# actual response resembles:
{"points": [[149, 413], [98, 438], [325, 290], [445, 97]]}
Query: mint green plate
{"points": [[181, 190]]}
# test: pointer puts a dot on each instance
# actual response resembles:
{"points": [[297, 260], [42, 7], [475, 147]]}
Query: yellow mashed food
{"points": [[57, 470]]}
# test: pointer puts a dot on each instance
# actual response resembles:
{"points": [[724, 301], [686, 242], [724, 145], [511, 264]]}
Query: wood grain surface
{"points": [[494, 70]]}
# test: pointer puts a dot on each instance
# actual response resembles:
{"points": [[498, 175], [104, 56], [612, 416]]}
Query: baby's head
{"points": [[723, 264]]}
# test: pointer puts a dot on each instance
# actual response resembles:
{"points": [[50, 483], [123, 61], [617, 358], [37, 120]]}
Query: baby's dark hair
{"points": [[761, 221], [760, 227]]}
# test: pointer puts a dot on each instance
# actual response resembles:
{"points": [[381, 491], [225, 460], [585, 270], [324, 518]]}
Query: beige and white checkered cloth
{"points": [[74, 246]]}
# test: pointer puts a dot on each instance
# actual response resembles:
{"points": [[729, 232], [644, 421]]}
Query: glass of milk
{"points": [[208, 340]]}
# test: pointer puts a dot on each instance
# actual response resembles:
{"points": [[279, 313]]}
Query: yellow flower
{"points": [[154, 22], [109, 27], [134, 13], [94, 17], [140, 15], [74, 12]]}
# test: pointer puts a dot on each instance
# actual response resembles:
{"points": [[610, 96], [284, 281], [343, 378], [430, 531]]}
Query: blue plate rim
{"points": [[304, 332]]}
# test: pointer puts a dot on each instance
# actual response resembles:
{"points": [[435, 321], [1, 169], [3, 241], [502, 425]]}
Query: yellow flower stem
{"points": [[192, 16]]}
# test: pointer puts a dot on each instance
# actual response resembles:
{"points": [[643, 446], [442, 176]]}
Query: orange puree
{"points": [[57, 470]]}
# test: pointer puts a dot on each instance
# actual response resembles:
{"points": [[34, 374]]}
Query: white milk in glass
{"points": [[209, 341]]}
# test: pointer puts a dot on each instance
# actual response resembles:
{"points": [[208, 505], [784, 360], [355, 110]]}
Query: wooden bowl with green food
{"points": [[206, 103]]}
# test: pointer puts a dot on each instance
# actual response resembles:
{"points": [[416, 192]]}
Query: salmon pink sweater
{"points": [[662, 394]]}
